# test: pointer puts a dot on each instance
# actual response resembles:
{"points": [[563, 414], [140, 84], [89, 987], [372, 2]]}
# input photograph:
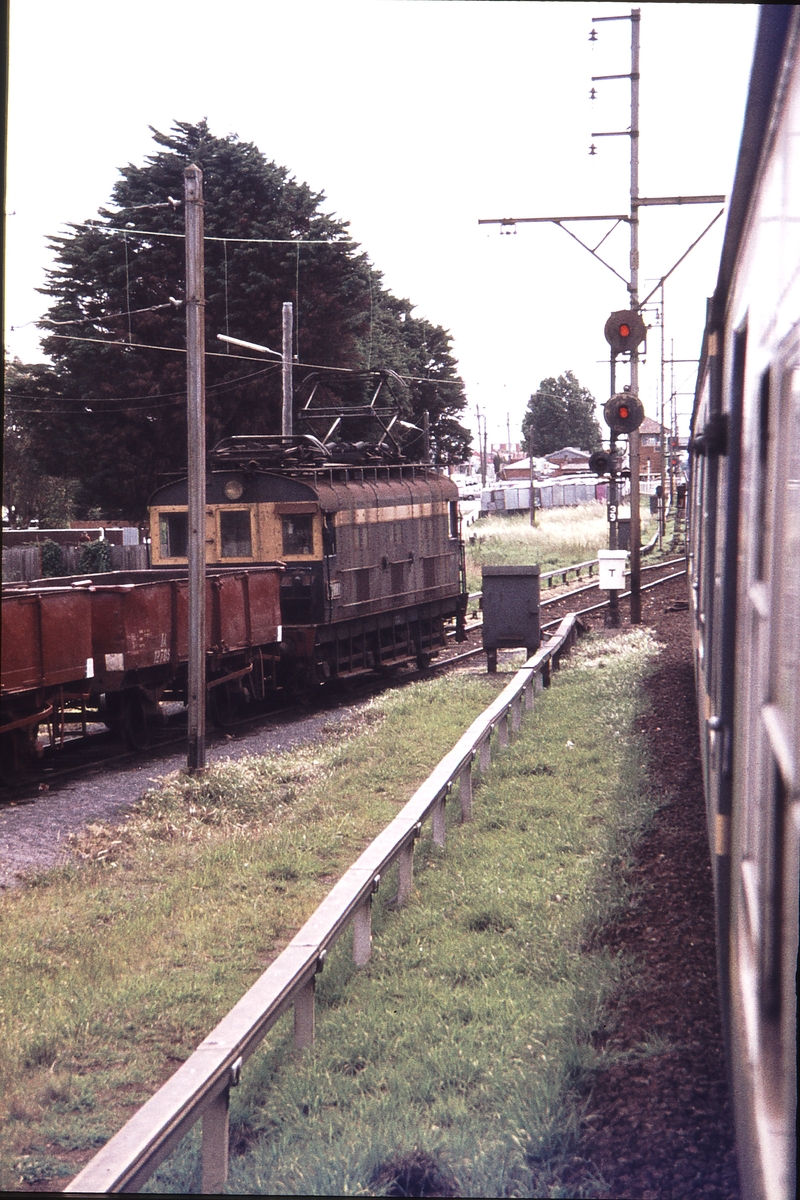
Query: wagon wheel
{"points": [[305, 683], [111, 712], [135, 726], [224, 703]]}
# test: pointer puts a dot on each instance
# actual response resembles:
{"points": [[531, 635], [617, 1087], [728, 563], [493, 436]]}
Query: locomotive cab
{"points": [[251, 518]]}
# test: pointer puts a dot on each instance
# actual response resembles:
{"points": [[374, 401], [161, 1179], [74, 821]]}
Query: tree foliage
{"points": [[27, 490], [561, 413], [113, 416]]}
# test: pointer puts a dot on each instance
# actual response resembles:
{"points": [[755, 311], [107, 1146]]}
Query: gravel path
{"points": [[33, 836]]}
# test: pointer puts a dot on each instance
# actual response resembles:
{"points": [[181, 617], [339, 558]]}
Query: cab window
{"points": [[173, 532], [234, 535], [298, 533]]}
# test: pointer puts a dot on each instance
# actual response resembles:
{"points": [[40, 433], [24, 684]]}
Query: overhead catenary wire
{"points": [[250, 358], [101, 320], [154, 233], [225, 384]]}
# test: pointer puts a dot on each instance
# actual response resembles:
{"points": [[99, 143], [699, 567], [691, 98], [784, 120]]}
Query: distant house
{"points": [[650, 434], [522, 469], [569, 460]]}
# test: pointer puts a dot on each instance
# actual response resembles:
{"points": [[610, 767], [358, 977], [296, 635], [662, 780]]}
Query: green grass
{"points": [[560, 537], [111, 971], [467, 1040], [466, 1037]]}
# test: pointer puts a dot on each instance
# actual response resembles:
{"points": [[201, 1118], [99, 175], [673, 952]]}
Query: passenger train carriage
{"points": [[744, 567]]}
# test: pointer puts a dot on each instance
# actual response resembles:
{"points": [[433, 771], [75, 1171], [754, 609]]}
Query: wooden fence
{"points": [[201, 1086], [22, 563]]}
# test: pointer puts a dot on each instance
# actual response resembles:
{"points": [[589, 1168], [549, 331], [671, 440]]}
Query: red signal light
{"points": [[624, 412], [624, 330]]}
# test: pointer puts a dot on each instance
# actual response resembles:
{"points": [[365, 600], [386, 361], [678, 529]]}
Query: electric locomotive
{"points": [[373, 556]]}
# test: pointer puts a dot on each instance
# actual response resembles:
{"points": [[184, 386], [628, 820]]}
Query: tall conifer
{"points": [[114, 418]]}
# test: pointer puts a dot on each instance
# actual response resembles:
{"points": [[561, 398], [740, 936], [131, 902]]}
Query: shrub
{"points": [[52, 559], [95, 557]]}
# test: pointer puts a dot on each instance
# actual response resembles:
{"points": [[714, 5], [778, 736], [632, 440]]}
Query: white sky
{"points": [[416, 118]]}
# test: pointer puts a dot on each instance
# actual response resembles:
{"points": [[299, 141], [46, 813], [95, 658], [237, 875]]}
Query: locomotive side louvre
{"points": [[744, 562]]}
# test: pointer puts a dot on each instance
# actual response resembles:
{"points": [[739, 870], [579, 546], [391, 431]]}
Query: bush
{"points": [[52, 559], [95, 557]]}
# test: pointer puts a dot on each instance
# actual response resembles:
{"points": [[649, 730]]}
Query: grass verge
{"points": [[457, 1062], [453, 1057], [112, 969]]}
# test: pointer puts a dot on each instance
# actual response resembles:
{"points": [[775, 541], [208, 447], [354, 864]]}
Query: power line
{"points": [[208, 238], [68, 337], [226, 384]]}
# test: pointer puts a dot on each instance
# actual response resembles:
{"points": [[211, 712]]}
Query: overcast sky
{"points": [[415, 118]]}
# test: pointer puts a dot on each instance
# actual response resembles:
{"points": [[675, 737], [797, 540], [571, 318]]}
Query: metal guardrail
{"points": [[201, 1086], [564, 571]]}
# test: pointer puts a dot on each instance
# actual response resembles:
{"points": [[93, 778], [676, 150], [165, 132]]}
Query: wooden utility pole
{"points": [[530, 465], [196, 420], [286, 370], [481, 452]]}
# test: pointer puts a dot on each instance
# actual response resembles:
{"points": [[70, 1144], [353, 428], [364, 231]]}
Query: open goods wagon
{"points": [[116, 644]]}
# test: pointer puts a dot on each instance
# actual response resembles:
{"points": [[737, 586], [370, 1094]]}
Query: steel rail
{"points": [[201, 1086], [622, 596]]}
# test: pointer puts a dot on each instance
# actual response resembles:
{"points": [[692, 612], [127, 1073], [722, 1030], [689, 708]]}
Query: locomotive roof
{"points": [[333, 488]]}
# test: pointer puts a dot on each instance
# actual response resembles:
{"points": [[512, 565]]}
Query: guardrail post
{"points": [[362, 933], [405, 863], [530, 691], [465, 791], [516, 713], [502, 730], [546, 674], [304, 1015], [215, 1145], [439, 820], [485, 760]]}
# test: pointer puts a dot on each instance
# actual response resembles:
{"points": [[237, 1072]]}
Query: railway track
{"points": [[562, 603], [98, 750]]}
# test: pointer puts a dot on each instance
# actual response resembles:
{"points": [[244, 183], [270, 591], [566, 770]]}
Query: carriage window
{"points": [[453, 518], [173, 532], [298, 533], [234, 535]]}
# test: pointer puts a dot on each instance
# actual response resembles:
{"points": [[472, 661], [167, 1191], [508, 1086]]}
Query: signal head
{"points": [[602, 462], [623, 413], [624, 331]]}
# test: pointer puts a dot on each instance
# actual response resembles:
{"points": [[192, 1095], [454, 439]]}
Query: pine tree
{"points": [[561, 413], [114, 417]]}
